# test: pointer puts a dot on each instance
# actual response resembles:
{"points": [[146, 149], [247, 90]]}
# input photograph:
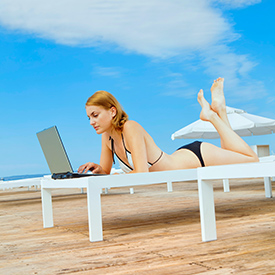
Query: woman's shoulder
{"points": [[131, 125], [132, 128]]}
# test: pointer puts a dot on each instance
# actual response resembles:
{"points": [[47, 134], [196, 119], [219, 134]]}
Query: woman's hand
{"points": [[90, 166]]}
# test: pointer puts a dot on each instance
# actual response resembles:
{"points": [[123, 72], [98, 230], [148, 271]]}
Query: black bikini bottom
{"points": [[195, 147]]}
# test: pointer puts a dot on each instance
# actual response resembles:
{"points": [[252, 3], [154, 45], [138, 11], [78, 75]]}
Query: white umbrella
{"points": [[242, 123]]}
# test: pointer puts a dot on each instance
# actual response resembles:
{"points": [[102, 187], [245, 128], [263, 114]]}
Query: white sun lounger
{"points": [[267, 180], [20, 183], [204, 176], [94, 187]]}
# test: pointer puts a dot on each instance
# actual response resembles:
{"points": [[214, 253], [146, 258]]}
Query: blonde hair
{"points": [[107, 101]]}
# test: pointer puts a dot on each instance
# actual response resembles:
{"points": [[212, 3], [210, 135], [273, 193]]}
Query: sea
{"points": [[20, 177]]}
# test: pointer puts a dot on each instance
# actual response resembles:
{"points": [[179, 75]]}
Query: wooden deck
{"points": [[150, 232]]}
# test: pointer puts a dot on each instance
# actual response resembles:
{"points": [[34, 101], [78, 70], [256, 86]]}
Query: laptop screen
{"points": [[54, 151]]}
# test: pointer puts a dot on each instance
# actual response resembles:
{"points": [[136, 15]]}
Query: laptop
{"points": [[56, 155]]}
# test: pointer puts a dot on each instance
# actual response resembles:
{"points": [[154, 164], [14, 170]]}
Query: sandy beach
{"points": [[149, 232]]}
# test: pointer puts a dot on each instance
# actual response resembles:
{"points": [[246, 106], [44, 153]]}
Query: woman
{"points": [[137, 151]]}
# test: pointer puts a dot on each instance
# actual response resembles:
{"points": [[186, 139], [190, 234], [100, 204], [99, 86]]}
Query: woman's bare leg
{"points": [[218, 102], [231, 141]]}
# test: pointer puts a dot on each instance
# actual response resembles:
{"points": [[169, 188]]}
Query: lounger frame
{"points": [[204, 177], [36, 182]]}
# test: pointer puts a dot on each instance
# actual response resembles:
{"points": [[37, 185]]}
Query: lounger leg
{"points": [[169, 186], [226, 187], [94, 213], [47, 208], [268, 187], [207, 211]]}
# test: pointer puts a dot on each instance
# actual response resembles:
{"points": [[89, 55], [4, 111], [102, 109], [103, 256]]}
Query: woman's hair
{"points": [[107, 101]]}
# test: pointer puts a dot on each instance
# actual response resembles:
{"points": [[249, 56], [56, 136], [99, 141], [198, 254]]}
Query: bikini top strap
{"points": [[158, 158], [130, 152], [124, 145], [112, 148]]}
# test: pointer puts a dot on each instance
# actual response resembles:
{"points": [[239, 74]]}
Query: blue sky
{"points": [[153, 56]]}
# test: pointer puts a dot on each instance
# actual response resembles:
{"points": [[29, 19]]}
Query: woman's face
{"points": [[100, 118]]}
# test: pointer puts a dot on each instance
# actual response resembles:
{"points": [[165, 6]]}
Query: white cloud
{"points": [[176, 81], [114, 72], [238, 3], [222, 61], [156, 27], [270, 100]]}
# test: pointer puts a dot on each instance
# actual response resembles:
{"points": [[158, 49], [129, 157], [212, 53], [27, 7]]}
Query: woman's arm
{"points": [[135, 137], [106, 157]]}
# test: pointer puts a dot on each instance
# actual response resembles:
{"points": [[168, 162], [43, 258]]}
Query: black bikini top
{"points": [[124, 166]]}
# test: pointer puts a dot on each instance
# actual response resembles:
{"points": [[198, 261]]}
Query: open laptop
{"points": [[56, 156]]}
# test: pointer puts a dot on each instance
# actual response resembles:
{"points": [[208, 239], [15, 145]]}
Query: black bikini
{"points": [[195, 147]]}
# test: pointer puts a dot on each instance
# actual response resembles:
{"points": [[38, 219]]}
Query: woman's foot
{"points": [[206, 112], [218, 100]]}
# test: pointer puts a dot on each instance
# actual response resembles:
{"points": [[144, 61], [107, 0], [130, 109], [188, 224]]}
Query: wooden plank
{"points": [[150, 232]]}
